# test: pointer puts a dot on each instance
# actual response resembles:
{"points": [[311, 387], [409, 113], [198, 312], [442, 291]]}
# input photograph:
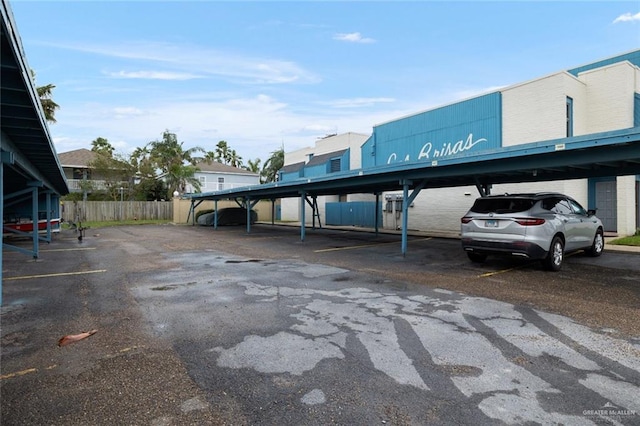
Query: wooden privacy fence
{"points": [[105, 211]]}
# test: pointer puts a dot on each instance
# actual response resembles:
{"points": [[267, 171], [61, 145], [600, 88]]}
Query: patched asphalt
{"points": [[203, 326]]}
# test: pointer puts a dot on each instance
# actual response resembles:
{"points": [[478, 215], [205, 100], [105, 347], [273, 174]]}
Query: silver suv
{"points": [[536, 226]]}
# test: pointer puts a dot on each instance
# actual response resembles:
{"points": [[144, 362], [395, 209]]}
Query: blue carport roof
{"points": [[25, 135], [613, 153]]}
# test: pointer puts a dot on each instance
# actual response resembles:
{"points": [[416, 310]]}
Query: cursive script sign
{"points": [[428, 151]]}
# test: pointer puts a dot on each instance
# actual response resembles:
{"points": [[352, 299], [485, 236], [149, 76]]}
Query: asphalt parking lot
{"points": [[203, 326]]}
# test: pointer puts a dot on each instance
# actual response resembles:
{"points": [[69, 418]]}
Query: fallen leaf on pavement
{"points": [[72, 338]]}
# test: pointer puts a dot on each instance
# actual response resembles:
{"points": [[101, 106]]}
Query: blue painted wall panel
{"points": [[318, 170], [285, 177], [368, 152], [460, 129], [323, 168], [636, 110], [345, 161]]}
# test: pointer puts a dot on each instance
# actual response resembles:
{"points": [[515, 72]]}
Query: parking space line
{"points": [[489, 274], [61, 274], [501, 271], [364, 246], [70, 249], [18, 373]]}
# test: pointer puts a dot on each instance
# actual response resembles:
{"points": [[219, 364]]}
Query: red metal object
{"points": [[27, 226]]}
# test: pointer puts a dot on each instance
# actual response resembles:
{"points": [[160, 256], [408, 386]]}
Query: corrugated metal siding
{"points": [[453, 130], [633, 57]]}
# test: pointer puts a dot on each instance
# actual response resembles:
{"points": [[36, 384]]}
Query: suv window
{"points": [[502, 205], [557, 205], [577, 208]]}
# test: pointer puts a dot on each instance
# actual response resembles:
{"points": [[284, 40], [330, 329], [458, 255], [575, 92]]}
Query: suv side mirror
{"points": [[591, 212]]}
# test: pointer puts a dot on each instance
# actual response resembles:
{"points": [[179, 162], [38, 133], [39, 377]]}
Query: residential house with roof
{"points": [[76, 166], [216, 176]]}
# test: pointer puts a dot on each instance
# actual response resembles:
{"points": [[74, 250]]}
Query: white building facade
{"points": [[599, 97], [216, 176]]}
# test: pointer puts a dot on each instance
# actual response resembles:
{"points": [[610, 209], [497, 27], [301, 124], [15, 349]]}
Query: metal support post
{"points": [[405, 219], [34, 220], [247, 203], [273, 211], [48, 203], [215, 214], [303, 197], [376, 211]]}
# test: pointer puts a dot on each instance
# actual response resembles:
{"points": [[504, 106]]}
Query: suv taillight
{"points": [[465, 219], [528, 221]]}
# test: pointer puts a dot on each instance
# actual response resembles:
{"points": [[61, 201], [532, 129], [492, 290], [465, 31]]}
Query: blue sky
{"points": [[262, 75]]}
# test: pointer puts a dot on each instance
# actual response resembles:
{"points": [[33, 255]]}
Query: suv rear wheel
{"points": [[553, 261]]}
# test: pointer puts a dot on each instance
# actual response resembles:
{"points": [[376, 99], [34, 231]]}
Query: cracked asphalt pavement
{"points": [[202, 326]]}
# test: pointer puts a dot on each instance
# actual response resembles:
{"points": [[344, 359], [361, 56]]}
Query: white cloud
{"points": [[359, 102], [126, 112], [153, 75], [208, 62], [353, 38], [627, 17], [318, 128]]}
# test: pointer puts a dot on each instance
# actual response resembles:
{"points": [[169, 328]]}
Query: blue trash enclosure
{"points": [[353, 213]]}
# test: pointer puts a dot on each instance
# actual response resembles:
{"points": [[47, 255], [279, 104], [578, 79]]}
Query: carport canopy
{"points": [[29, 166], [615, 153]]}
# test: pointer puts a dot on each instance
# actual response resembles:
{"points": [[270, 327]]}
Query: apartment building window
{"points": [[569, 117], [220, 183], [335, 165]]}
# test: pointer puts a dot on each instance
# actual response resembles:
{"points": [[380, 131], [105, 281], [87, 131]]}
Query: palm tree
{"points": [[272, 166], [210, 157], [179, 176], [102, 146], [234, 159], [48, 105], [222, 152], [253, 165], [176, 164]]}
